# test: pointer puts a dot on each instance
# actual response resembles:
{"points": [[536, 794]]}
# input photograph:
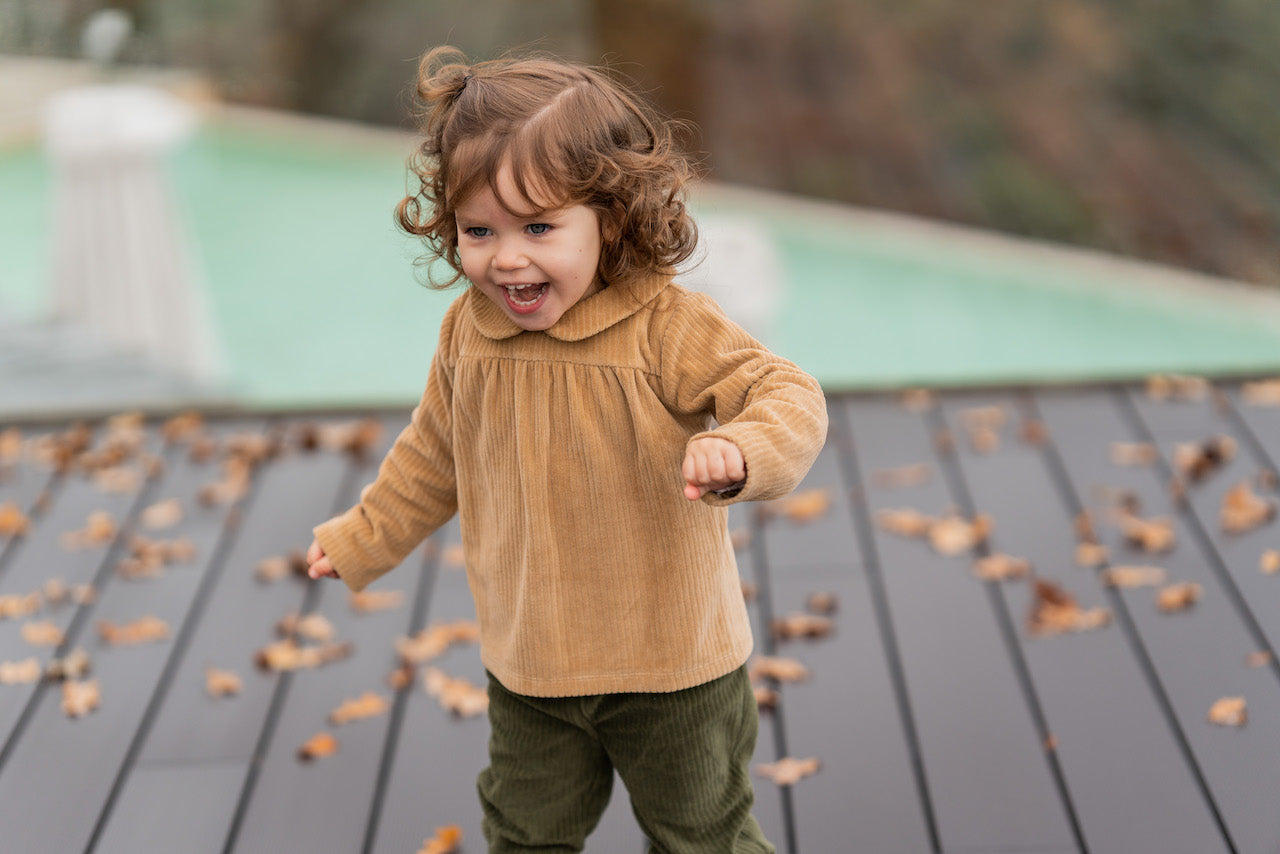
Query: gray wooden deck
{"points": [[942, 723]]}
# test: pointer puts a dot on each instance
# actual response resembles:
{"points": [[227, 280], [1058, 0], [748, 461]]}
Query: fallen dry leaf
{"points": [[433, 640], [914, 474], [749, 590], [18, 605], [1150, 535], [788, 771], [804, 506], [776, 667], [1183, 387], [1134, 576], [766, 697], [1197, 460], [313, 627], [1269, 563], [1033, 432], [984, 440], [800, 625], [21, 672], [148, 558], [44, 633], [272, 568], [446, 841], [1229, 711], [1243, 510], [356, 438], [402, 676], [1261, 658], [917, 399], [73, 665], [319, 746], [99, 528], [368, 601], [10, 446], [287, 655], [1001, 567], [120, 479], [988, 417], [162, 514], [13, 522], [1178, 597], [905, 522], [1055, 611], [1133, 453], [822, 602], [1091, 555], [1261, 392], [367, 705], [80, 698], [142, 630], [182, 427], [456, 695], [221, 683], [953, 535], [454, 556]]}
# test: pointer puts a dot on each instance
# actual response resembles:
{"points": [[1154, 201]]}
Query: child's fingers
{"points": [[322, 569], [315, 552]]}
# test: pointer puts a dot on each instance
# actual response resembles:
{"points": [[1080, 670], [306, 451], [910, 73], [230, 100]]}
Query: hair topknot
{"points": [[570, 134]]}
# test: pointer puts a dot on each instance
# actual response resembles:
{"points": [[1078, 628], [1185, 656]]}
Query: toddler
{"points": [[589, 420]]}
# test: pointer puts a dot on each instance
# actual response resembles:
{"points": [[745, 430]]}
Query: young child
{"points": [[588, 420]]}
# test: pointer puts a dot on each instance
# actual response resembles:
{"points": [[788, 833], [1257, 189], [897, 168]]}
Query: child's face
{"points": [[533, 267]]}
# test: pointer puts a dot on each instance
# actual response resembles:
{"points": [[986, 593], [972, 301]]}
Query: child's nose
{"points": [[509, 256]]}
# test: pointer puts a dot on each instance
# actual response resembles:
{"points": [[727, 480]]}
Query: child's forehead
{"points": [[518, 194]]}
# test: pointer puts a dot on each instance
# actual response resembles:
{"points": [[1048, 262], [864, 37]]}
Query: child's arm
{"points": [[767, 409]]}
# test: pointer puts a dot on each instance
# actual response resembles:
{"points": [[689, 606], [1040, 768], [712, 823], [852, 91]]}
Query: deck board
{"points": [[942, 724]]}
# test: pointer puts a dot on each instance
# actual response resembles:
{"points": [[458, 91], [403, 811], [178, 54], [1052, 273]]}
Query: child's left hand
{"points": [[711, 464]]}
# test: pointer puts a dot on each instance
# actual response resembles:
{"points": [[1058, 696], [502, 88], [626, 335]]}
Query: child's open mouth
{"points": [[524, 299]]}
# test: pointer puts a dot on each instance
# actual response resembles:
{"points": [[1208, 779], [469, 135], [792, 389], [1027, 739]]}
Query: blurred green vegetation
{"points": [[1143, 127]]}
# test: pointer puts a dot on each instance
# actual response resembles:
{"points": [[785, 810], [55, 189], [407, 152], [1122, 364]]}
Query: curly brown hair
{"points": [[570, 134]]}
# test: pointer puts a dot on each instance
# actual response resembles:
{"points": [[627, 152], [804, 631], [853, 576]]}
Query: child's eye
{"points": [[477, 231], [539, 228]]}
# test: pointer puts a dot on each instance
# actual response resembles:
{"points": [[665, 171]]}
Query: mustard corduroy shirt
{"points": [[561, 453]]}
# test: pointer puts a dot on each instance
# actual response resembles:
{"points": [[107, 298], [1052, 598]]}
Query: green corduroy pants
{"points": [[683, 756]]}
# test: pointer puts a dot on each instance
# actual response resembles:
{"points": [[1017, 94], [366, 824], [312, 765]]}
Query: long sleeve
{"points": [[414, 493], [772, 410]]}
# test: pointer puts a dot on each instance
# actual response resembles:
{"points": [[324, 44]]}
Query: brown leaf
{"points": [[141, 630], [953, 535], [917, 399], [788, 771], [1243, 510], [80, 698], [1151, 535], [446, 841], [1197, 460], [799, 625], [822, 602], [455, 695], [74, 665], [10, 446], [1261, 658], [19, 605], [368, 601], [162, 514], [1134, 576], [13, 522], [804, 506], [99, 528], [1000, 567], [1166, 387], [286, 655], [312, 627], [914, 474], [1178, 597], [221, 683], [1229, 711], [272, 568], [433, 640], [775, 667], [766, 697], [1261, 392], [319, 746], [121, 479], [1054, 611], [1269, 563], [182, 427], [367, 705], [454, 556], [21, 672], [904, 522], [1133, 453], [44, 633], [1091, 555], [401, 677]]}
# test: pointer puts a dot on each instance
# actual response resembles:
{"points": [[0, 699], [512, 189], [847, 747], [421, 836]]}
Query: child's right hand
{"points": [[318, 565]]}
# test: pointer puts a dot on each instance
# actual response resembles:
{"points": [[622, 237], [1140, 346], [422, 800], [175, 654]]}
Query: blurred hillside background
{"points": [[1140, 127]]}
